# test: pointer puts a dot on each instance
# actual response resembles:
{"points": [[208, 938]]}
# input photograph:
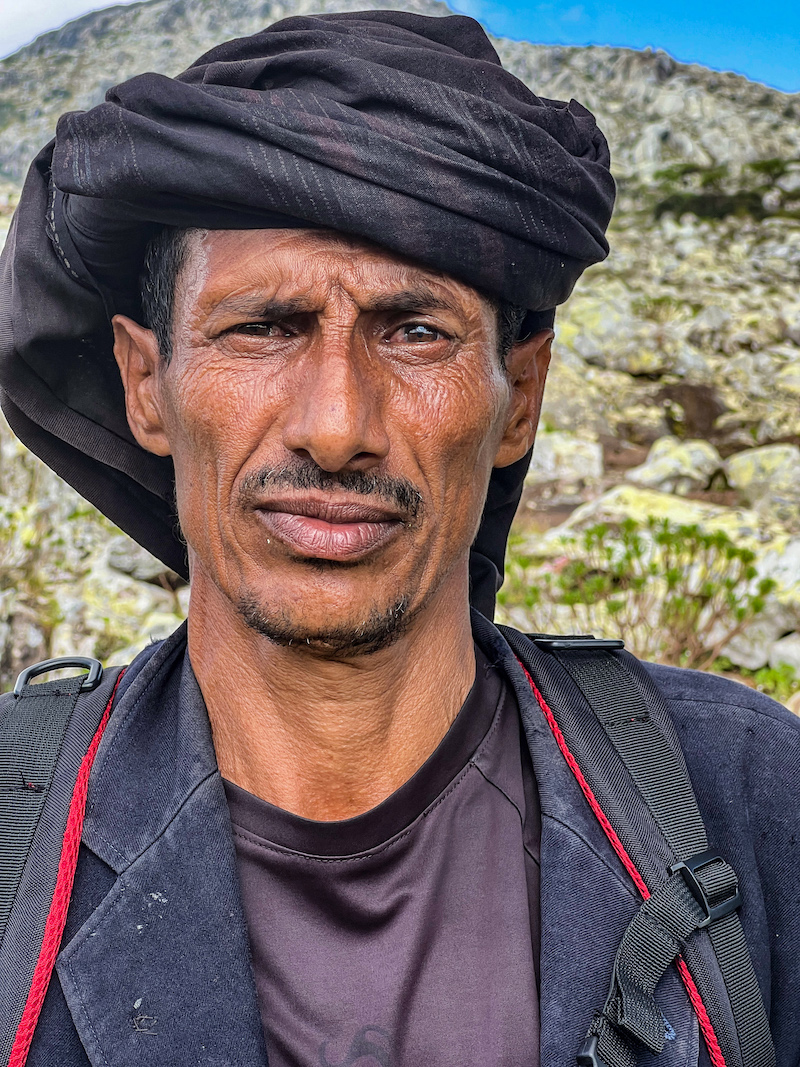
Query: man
{"points": [[325, 259]]}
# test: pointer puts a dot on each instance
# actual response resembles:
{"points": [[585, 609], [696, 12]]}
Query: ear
{"points": [[141, 367], [526, 367]]}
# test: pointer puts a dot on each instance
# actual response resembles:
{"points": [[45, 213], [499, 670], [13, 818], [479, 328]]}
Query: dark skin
{"points": [[308, 351]]}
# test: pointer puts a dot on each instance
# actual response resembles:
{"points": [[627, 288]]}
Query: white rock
{"points": [[751, 648], [564, 458], [126, 557], [676, 466], [786, 652], [742, 525], [769, 479]]}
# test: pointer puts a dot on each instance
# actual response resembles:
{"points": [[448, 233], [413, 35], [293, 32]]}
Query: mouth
{"points": [[329, 529]]}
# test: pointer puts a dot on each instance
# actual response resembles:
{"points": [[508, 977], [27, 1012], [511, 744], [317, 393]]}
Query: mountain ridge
{"points": [[653, 108]]}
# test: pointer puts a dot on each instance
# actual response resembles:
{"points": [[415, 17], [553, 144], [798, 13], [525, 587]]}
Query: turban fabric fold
{"points": [[395, 127]]}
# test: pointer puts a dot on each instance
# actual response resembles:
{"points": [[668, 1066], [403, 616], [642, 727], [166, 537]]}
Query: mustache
{"points": [[399, 493]]}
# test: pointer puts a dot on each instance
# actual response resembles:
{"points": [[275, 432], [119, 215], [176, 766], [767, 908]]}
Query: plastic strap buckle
{"points": [[90, 682], [689, 870], [587, 1054]]}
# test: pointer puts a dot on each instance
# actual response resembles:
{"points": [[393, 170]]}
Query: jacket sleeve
{"points": [[743, 754]]}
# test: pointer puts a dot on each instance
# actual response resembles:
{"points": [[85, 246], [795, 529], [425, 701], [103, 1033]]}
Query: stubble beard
{"points": [[377, 631]]}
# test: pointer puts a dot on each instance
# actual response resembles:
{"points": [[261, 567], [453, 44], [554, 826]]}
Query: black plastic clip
{"points": [[587, 1055], [689, 869], [574, 644], [91, 681]]}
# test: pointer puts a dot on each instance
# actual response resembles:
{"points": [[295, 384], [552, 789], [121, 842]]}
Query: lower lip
{"points": [[317, 539]]}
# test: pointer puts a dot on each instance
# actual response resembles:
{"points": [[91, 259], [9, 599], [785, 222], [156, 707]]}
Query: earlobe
{"points": [[139, 361], [527, 369]]}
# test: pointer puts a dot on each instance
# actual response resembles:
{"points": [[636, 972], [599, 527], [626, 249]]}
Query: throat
{"points": [[330, 739]]}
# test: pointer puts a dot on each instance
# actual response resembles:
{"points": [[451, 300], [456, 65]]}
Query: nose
{"points": [[336, 417]]}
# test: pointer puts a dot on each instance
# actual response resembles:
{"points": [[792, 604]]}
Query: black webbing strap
{"points": [[651, 942], [620, 698], [46, 730], [31, 734]]}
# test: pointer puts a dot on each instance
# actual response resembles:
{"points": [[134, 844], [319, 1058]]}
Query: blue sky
{"points": [[759, 40]]}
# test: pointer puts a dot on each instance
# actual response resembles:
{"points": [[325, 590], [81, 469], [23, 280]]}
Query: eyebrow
{"points": [[415, 299]]}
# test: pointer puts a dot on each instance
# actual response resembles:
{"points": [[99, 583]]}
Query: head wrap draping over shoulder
{"points": [[395, 127]]}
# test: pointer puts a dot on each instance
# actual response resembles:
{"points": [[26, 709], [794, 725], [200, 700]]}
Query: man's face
{"points": [[333, 413]]}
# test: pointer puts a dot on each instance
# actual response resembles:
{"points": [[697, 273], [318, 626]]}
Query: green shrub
{"points": [[674, 593]]}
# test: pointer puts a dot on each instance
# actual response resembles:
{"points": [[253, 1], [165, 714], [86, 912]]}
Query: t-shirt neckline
{"points": [[349, 837]]}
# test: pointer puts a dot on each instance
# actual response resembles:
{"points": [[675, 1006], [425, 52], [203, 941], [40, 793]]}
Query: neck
{"points": [[329, 738]]}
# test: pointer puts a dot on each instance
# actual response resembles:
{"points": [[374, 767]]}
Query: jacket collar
{"points": [[160, 972]]}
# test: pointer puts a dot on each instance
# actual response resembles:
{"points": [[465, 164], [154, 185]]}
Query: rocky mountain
{"points": [[679, 358], [656, 111]]}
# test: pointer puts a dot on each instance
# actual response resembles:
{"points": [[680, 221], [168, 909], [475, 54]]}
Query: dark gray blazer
{"points": [[154, 968]]}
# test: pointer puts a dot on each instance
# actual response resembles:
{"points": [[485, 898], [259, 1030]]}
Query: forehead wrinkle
{"points": [[264, 308], [413, 299], [417, 297], [338, 274]]}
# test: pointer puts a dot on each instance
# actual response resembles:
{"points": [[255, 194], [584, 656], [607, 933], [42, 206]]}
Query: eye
{"points": [[262, 329], [417, 332]]}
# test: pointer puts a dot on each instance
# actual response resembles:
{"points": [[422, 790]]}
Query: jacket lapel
{"points": [[587, 898], [160, 972]]}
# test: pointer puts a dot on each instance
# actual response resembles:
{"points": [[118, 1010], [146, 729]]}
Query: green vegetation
{"points": [[674, 593], [777, 682], [762, 189]]}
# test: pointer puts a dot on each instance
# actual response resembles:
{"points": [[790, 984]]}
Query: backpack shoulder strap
{"points": [[614, 729], [49, 735]]}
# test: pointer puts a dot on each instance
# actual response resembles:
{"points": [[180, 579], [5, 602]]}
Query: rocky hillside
{"points": [[686, 341], [655, 111]]}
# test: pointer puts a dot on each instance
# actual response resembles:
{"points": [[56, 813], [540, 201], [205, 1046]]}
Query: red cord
{"points": [[57, 916], [706, 1026]]}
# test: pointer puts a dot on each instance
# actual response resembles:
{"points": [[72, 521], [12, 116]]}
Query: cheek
{"points": [[217, 416], [457, 427], [216, 407]]}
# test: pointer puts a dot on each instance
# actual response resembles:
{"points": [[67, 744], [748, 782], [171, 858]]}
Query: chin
{"points": [[346, 638]]}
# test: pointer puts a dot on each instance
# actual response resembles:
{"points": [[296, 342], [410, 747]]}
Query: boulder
{"points": [[126, 557], [744, 526], [768, 478], [571, 399], [785, 652], [571, 461], [751, 648], [676, 466]]}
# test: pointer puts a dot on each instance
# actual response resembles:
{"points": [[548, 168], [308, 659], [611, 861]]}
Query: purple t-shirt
{"points": [[409, 935]]}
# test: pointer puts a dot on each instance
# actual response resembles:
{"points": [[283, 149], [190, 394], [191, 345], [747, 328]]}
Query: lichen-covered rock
{"points": [[59, 595], [675, 466], [572, 462], [572, 398], [743, 526], [753, 472], [788, 379], [768, 478]]}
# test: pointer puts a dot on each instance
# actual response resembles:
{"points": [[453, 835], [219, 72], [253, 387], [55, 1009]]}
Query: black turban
{"points": [[391, 126]]}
